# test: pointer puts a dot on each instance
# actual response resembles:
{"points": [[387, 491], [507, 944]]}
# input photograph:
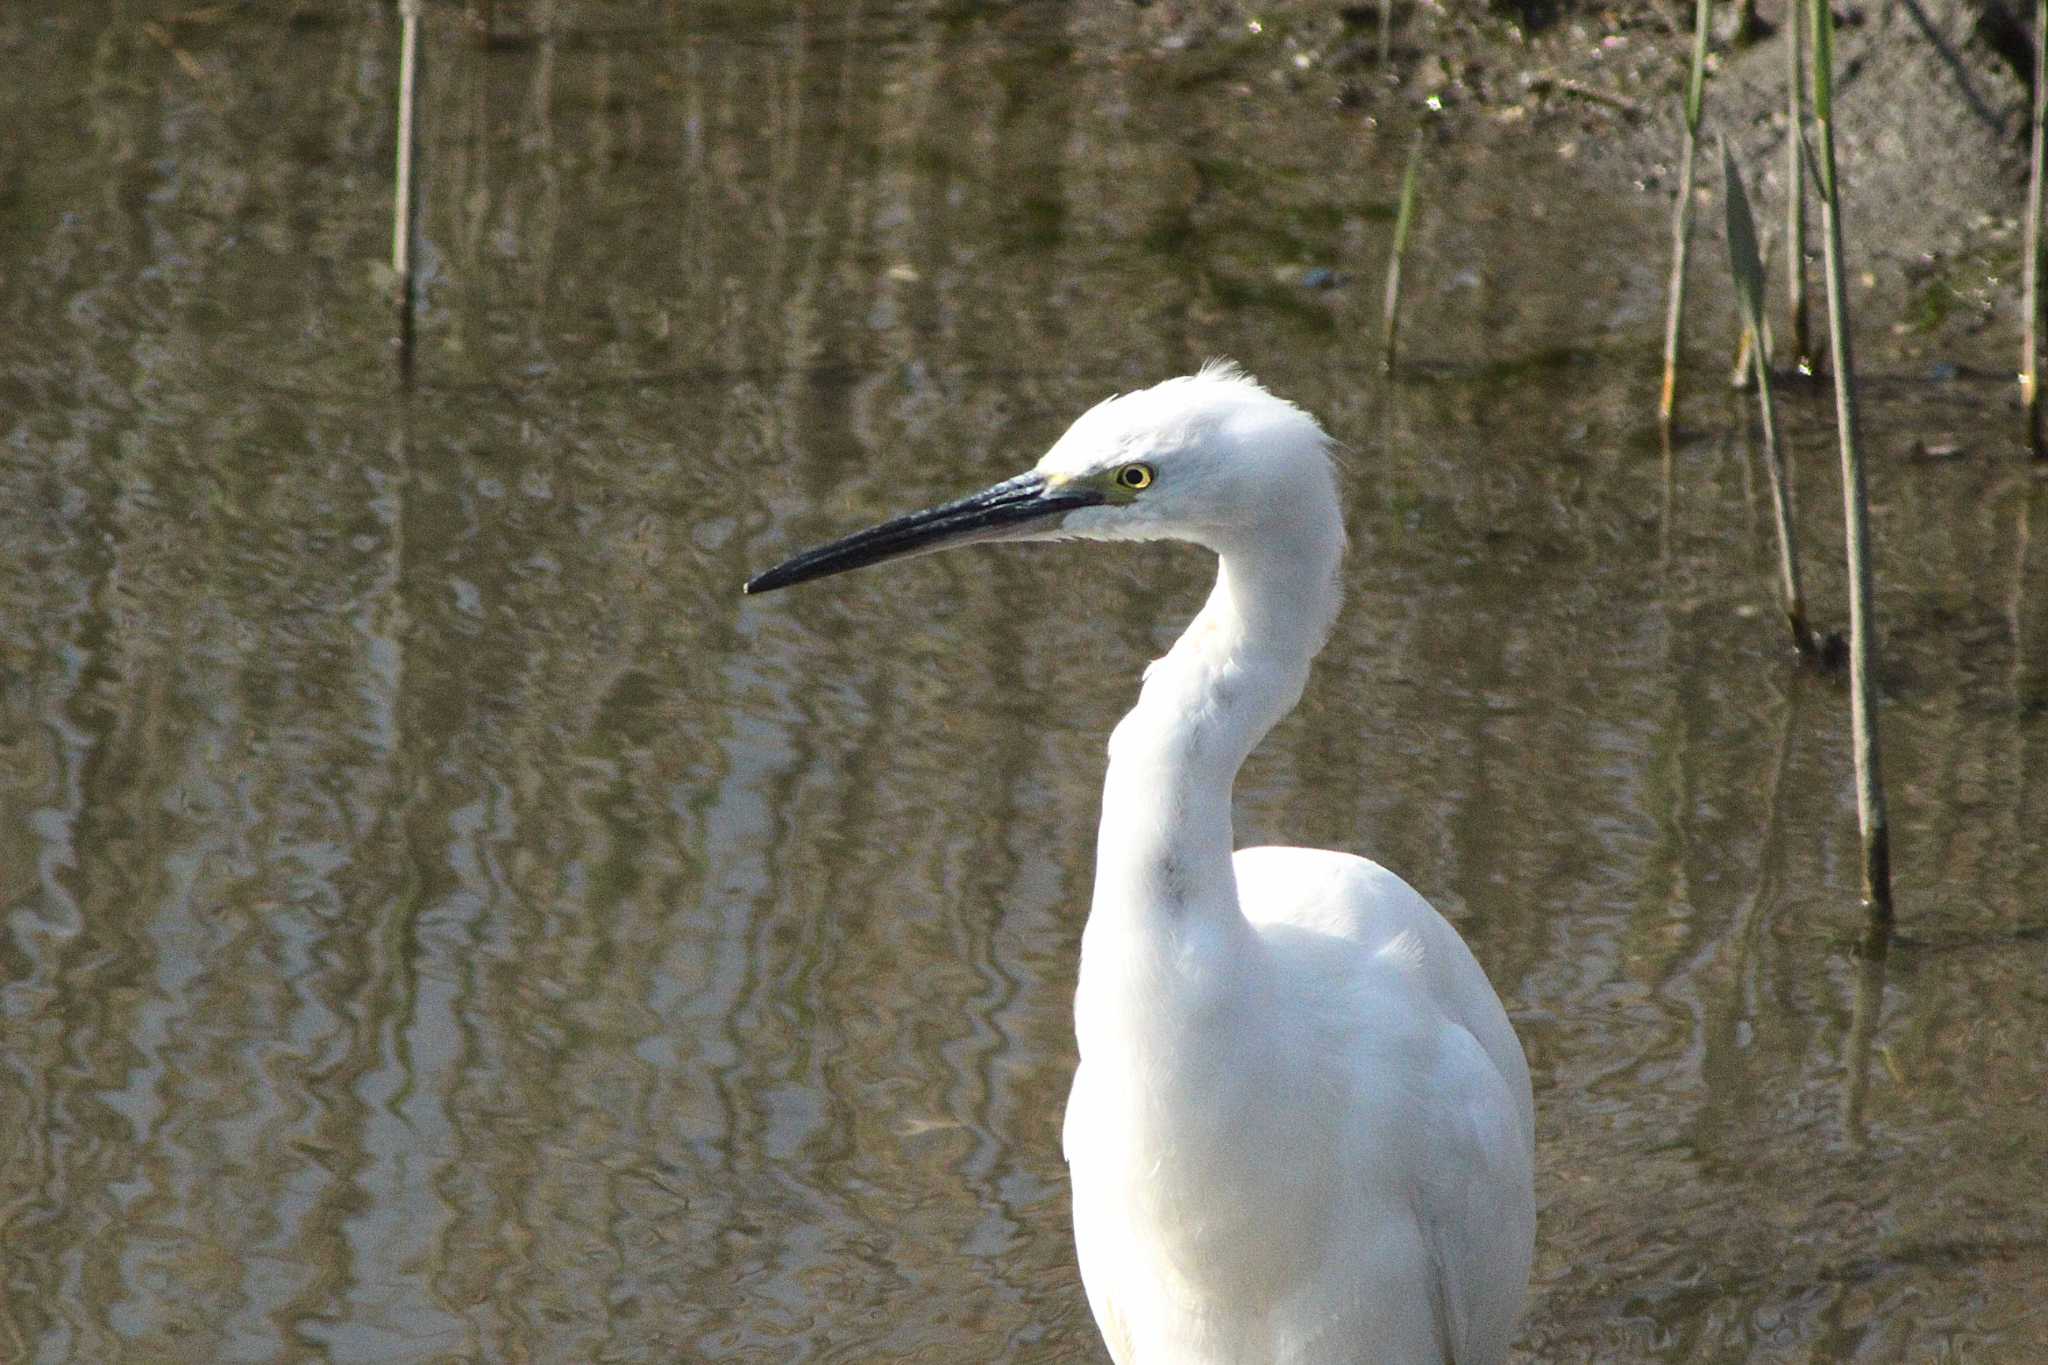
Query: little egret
{"points": [[1301, 1130]]}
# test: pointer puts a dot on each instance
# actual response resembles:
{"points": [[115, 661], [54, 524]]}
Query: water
{"points": [[445, 921]]}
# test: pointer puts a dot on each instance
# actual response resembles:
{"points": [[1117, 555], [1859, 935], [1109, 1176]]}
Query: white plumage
{"points": [[1301, 1132]]}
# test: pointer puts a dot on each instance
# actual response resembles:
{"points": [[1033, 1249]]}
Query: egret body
{"points": [[1301, 1132]]}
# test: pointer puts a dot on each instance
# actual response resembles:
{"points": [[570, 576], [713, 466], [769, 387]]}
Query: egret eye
{"points": [[1135, 476]]}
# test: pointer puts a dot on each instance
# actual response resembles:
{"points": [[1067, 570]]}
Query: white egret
{"points": [[1301, 1130]]}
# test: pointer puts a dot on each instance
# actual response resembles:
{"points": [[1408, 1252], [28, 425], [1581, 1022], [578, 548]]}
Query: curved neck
{"points": [[1163, 854]]}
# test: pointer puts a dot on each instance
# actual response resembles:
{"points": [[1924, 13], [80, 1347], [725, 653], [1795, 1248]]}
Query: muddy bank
{"points": [[1931, 123]]}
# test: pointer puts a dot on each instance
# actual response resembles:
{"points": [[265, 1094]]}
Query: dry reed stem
{"points": [[1795, 192], [1681, 220], [1870, 803], [402, 210], [2030, 335]]}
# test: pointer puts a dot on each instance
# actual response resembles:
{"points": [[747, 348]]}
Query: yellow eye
{"points": [[1135, 476]]}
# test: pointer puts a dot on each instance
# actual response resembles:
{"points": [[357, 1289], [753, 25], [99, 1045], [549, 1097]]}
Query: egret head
{"points": [[1210, 458]]}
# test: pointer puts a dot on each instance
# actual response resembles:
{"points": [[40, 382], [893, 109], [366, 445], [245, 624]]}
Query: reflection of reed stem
{"points": [[1866, 1013], [1681, 220], [2025, 812], [2030, 333], [1870, 805], [1390, 303], [402, 192]]}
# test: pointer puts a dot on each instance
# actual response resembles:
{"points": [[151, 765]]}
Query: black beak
{"points": [[992, 514]]}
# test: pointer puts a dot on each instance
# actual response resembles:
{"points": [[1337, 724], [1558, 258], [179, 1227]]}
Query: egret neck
{"points": [[1165, 917]]}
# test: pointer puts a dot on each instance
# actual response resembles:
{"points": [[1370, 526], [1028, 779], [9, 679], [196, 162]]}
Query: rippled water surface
{"points": [[444, 921]]}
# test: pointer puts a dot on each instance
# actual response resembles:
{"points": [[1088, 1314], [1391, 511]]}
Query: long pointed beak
{"points": [[998, 513]]}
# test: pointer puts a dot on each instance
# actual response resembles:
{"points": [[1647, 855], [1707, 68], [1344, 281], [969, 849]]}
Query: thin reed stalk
{"points": [[1404, 218], [1866, 1020], [403, 198], [1870, 805], [1795, 190], [2030, 336], [1681, 220], [1746, 263]]}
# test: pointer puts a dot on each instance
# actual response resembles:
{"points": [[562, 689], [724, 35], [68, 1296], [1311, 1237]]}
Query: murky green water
{"points": [[444, 921]]}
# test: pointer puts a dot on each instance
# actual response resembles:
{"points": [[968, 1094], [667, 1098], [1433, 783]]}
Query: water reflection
{"points": [[443, 921]]}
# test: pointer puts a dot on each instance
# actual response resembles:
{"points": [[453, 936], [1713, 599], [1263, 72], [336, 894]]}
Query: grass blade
{"points": [[1743, 257], [1746, 263], [1390, 302]]}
